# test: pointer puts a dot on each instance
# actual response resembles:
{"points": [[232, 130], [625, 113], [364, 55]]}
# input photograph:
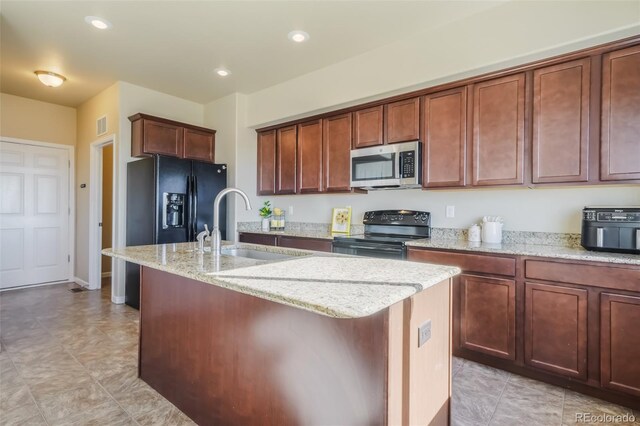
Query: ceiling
{"points": [[174, 46]]}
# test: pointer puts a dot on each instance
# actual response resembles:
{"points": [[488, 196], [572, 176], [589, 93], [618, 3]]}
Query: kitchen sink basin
{"points": [[255, 254]]}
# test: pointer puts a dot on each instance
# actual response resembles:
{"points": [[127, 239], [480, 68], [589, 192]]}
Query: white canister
{"points": [[492, 232], [474, 233], [265, 224]]}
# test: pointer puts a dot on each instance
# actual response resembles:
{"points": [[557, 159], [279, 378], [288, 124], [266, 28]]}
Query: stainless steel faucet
{"points": [[216, 238]]}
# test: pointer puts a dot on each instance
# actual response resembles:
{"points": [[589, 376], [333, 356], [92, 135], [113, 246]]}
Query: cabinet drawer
{"points": [[305, 243], [616, 277], [267, 240], [467, 262]]}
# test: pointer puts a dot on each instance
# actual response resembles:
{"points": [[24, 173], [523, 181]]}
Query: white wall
{"points": [[544, 210], [514, 33], [510, 34]]}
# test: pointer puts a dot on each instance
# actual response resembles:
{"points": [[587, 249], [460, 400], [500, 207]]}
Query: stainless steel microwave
{"points": [[392, 166]]}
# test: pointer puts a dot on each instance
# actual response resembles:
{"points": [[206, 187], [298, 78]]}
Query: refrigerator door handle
{"points": [[189, 206], [194, 223]]}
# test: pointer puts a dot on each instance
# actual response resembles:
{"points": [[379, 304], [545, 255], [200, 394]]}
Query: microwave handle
{"points": [[638, 239], [399, 172]]}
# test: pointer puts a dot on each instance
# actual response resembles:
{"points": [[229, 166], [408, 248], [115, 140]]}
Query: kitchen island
{"points": [[272, 336]]}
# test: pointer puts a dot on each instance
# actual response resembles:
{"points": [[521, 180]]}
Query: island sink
{"points": [[255, 254]]}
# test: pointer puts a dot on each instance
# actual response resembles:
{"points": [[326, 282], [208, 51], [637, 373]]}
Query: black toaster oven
{"points": [[615, 229]]}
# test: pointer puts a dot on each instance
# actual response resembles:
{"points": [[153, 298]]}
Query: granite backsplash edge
{"points": [[512, 237]]}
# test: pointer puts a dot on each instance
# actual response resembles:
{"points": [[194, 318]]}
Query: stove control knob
{"points": [[423, 217], [416, 217], [401, 218]]}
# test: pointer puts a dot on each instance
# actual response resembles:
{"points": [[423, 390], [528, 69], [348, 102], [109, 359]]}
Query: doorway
{"points": [[106, 220], [101, 212], [36, 214]]}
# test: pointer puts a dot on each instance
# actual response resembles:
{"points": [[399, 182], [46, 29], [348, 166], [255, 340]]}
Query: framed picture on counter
{"points": [[341, 220]]}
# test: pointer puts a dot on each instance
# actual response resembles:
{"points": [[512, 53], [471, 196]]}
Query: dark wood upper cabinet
{"points": [[154, 135], [555, 334], [309, 161], [620, 350], [286, 142], [488, 315], [267, 162], [620, 126], [498, 131], [199, 145], [445, 138], [402, 121], [561, 122], [367, 127], [336, 145]]}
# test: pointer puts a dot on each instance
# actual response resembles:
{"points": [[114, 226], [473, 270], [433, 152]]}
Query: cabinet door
{"points": [[445, 138], [402, 121], [619, 343], [305, 243], [199, 145], [309, 163], [498, 131], [267, 162], [162, 138], [561, 122], [488, 316], [555, 334], [286, 160], [367, 127], [264, 239], [336, 143], [620, 131]]}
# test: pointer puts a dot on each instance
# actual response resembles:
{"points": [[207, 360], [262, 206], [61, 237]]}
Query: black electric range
{"points": [[385, 234]]}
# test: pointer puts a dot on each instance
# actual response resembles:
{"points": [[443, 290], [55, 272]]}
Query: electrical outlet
{"points": [[451, 211], [424, 333], [290, 210]]}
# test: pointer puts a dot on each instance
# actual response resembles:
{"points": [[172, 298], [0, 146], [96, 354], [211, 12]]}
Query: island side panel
{"points": [[420, 377], [224, 357]]}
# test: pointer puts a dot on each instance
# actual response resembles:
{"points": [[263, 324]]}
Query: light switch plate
{"points": [[424, 333]]}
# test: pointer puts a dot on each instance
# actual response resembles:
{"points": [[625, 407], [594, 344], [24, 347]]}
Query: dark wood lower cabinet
{"points": [[265, 239], [488, 315], [620, 342], [574, 324], [555, 333], [304, 243]]}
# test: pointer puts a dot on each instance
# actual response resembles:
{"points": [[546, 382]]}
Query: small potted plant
{"points": [[265, 213]]}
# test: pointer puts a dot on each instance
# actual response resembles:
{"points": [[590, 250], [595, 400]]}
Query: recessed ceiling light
{"points": [[222, 72], [49, 78], [298, 36], [99, 23]]}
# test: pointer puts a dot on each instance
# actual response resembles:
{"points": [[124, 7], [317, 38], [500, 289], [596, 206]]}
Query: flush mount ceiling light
{"points": [[222, 72], [50, 79], [298, 36], [99, 23]]}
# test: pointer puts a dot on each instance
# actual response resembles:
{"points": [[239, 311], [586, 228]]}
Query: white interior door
{"points": [[34, 214]]}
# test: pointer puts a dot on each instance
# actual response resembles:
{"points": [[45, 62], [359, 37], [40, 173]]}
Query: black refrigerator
{"points": [[169, 200]]}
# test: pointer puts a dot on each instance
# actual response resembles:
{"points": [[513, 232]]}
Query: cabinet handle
{"points": [[638, 239], [599, 237]]}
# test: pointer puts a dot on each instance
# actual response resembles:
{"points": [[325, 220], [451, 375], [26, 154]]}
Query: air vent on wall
{"points": [[101, 125]]}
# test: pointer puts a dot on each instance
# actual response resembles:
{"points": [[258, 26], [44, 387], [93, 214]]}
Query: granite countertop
{"points": [[332, 285], [551, 251]]}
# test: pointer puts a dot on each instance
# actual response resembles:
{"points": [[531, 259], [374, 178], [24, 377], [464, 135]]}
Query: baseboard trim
{"points": [[83, 283], [106, 274], [118, 300], [34, 285]]}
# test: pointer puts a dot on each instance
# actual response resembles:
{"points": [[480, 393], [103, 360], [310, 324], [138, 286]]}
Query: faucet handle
{"points": [[206, 229]]}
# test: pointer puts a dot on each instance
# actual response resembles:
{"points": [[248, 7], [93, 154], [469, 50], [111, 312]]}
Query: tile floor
{"points": [[70, 359]]}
